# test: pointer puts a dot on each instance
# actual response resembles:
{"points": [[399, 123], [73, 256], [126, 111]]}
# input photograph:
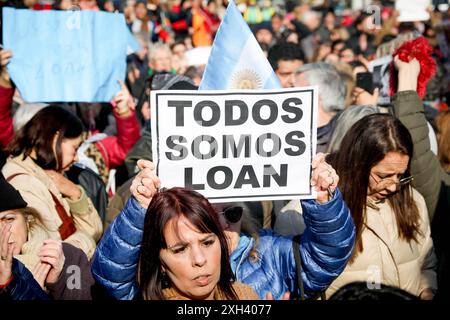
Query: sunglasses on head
{"points": [[233, 214]]}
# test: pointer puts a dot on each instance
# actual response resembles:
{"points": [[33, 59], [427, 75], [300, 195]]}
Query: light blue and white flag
{"points": [[237, 61]]}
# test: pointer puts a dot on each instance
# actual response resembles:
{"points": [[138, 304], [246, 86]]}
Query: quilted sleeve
{"points": [[115, 260]]}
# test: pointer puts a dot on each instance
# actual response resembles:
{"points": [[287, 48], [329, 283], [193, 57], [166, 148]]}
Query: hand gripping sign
{"points": [[236, 145]]}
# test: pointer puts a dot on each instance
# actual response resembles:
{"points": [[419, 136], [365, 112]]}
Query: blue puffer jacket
{"points": [[325, 248], [23, 286]]}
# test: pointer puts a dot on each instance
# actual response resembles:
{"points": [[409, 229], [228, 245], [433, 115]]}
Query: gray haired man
{"points": [[332, 93]]}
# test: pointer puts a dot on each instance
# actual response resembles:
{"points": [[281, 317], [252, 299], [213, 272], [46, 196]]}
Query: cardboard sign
{"points": [[413, 10], [66, 55], [236, 145]]}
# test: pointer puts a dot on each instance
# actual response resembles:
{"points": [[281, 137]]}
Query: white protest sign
{"points": [[413, 10], [236, 145]]}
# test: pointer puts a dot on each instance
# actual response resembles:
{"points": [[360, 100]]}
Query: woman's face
{"points": [[179, 50], [191, 260], [69, 152], [385, 175], [141, 11], [19, 230]]}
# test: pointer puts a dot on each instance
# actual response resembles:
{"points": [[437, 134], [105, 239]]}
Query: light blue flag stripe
{"points": [[237, 61], [66, 55]]}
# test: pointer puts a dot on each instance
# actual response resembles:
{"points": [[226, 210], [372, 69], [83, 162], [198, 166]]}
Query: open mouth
{"points": [[203, 280]]}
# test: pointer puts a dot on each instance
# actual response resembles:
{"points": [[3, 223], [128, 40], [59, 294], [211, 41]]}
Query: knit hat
{"points": [[10, 198]]}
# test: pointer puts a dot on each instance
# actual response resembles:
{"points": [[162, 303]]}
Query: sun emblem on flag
{"points": [[246, 79]]}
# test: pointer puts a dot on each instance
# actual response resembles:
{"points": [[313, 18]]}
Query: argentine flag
{"points": [[236, 60]]}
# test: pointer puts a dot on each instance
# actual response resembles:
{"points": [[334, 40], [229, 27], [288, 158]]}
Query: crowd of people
{"points": [[79, 194]]}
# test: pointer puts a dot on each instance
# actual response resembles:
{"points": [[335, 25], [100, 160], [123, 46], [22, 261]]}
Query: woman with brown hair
{"points": [[184, 251], [393, 244], [40, 153], [261, 259]]}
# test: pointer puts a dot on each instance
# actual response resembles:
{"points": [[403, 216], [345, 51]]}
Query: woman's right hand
{"points": [[6, 254], [408, 72], [145, 184], [361, 97], [64, 185], [52, 253], [5, 57]]}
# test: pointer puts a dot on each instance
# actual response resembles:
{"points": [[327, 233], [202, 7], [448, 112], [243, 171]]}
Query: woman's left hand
{"points": [[40, 272], [324, 178], [64, 185], [52, 253]]}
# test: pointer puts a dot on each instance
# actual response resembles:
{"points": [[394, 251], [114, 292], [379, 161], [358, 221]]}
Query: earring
{"points": [[165, 283]]}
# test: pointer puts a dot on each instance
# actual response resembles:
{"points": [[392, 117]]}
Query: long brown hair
{"points": [[366, 144], [171, 204], [38, 134], [443, 126]]}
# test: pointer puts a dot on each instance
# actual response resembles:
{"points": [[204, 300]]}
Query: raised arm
{"points": [[115, 261], [408, 108], [327, 243], [6, 98]]}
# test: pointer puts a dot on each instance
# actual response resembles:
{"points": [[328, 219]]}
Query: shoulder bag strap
{"points": [[67, 228], [298, 264]]}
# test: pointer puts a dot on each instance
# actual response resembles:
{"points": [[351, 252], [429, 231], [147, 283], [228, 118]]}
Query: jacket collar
{"points": [[245, 244], [30, 167]]}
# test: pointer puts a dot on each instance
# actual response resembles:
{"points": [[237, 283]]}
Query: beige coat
{"points": [[387, 259], [34, 186], [29, 252]]}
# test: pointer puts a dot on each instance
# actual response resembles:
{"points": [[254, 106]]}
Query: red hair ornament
{"points": [[421, 50]]}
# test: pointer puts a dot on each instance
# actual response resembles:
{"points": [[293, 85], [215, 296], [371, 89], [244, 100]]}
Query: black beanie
{"points": [[10, 198]]}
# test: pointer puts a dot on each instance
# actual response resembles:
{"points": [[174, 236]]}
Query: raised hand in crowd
{"points": [[145, 184], [51, 253], [324, 178], [408, 73], [5, 58], [6, 254], [123, 102], [64, 185], [361, 97]]}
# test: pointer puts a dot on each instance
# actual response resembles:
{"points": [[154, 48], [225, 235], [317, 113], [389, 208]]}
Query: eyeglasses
{"points": [[389, 181], [233, 214]]}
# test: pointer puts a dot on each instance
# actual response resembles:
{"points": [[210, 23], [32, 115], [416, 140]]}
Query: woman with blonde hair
{"points": [[38, 260]]}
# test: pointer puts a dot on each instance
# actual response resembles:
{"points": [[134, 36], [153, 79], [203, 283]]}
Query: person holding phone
{"points": [[365, 92]]}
